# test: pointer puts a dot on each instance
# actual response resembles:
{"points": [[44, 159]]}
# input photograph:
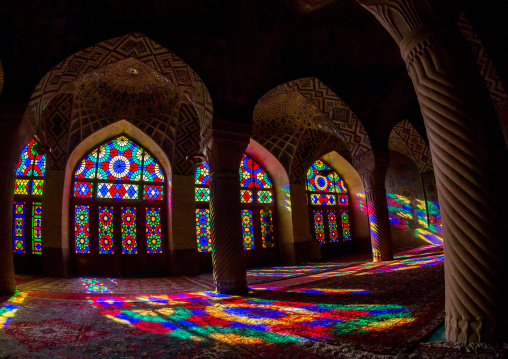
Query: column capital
{"points": [[372, 166]]}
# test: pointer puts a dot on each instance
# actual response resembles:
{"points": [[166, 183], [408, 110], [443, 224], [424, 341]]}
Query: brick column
{"points": [[372, 166], [469, 156], [224, 153]]}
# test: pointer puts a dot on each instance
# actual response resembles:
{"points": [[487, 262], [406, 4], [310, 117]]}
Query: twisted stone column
{"points": [[372, 168], [469, 157], [224, 154]]}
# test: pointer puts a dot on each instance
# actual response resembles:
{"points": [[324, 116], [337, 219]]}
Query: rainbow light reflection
{"points": [[9, 309], [290, 271], [94, 286]]}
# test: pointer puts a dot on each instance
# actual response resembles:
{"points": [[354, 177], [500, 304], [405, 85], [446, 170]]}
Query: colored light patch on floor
{"points": [[9, 309], [313, 290], [290, 271], [94, 286]]}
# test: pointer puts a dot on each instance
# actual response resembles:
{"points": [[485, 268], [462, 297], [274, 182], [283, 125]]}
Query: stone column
{"points": [[372, 166], [224, 153], [469, 156], [10, 148]]}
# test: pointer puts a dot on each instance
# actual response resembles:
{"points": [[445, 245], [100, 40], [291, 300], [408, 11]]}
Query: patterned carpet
{"points": [[361, 311]]}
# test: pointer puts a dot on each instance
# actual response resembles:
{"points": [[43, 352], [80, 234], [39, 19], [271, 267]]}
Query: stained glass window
{"points": [[18, 227], [36, 228], [202, 194], [152, 171], [82, 229], [87, 166], [345, 225], [153, 192], [21, 186], [267, 228], [203, 174], [153, 230], [83, 189], [252, 175], [117, 190], [203, 231], [326, 189], [30, 163], [37, 187], [128, 229], [246, 196], [265, 197], [247, 229], [106, 230]]}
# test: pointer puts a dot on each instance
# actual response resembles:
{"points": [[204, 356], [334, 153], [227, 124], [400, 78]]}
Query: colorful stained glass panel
{"points": [[86, 168], [343, 199], [265, 197], [319, 227], [106, 230], [247, 230], [36, 228], [202, 194], [21, 186], [82, 229], [245, 171], [39, 166], [246, 196], [37, 187], [117, 190], [120, 159], [316, 181], [153, 230], [203, 230], [18, 229], [153, 192], [152, 171], [202, 174], [322, 199], [340, 187], [83, 189], [332, 226], [261, 179], [346, 231], [128, 230], [25, 161], [267, 228]]}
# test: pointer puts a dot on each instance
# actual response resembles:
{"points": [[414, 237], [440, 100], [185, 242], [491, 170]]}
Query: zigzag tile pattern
{"points": [[58, 115], [133, 45], [308, 149], [416, 144], [395, 143]]}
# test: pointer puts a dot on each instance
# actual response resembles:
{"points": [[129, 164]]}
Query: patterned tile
{"points": [[404, 133]]}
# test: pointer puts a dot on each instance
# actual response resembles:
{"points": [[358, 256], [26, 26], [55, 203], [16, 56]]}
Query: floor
{"points": [[320, 310]]}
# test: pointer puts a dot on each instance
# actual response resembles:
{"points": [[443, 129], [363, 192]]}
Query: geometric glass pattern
{"points": [[247, 229], [252, 175], [82, 229], [153, 230], [343, 199], [37, 187], [120, 159], [106, 230], [332, 226], [21, 186], [316, 182], [30, 163], [267, 228], [202, 174], [117, 190], [153, 192], [203, 231], [322, 199], [87, 167], [83, 189], [36, 228], [346, 232], [151, 170], [265, 197], [319, 227], [128, 229], [202, 194], [18, 227], [246, 196]]}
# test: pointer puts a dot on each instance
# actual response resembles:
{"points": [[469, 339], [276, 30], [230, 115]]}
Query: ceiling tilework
{"points": [[415, 143], [307, 152], [133, 45], [58, 114], [395, 143]]}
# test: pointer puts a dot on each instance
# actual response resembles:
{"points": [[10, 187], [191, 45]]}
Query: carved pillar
{"points": [[10, 148], [469, 157], [224, 154], [372, 168]]}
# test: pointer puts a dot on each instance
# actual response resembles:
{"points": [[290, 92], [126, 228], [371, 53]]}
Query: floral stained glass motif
{"points": [[106, 230], [82, 229], [117, 190], [316, 181], [153, 230], [21, 186], [153, 192], [247, 229], [332, 226], [128, 230], [265, 197], [322, 199], [36, 228], [202, 174], [203, 231], [267, 228], [202, 194], [120, 159], [319, 227], [83, 189], [246, 196], [18, 227], [86, 168], [346, 231], [152, 171], [30, 163], [343, 199], [37, 187], [252, 175]]}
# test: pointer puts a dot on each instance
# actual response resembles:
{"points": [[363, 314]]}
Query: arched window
{"points": [[119, 202], [256, 197], [28, 189], [328, 204]]}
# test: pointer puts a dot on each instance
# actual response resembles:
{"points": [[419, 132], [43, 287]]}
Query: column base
{"points": [[470, 331], [231, 287], [7, 286]]}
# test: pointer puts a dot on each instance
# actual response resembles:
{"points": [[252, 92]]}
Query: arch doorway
{"points": [[118, 211]]}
